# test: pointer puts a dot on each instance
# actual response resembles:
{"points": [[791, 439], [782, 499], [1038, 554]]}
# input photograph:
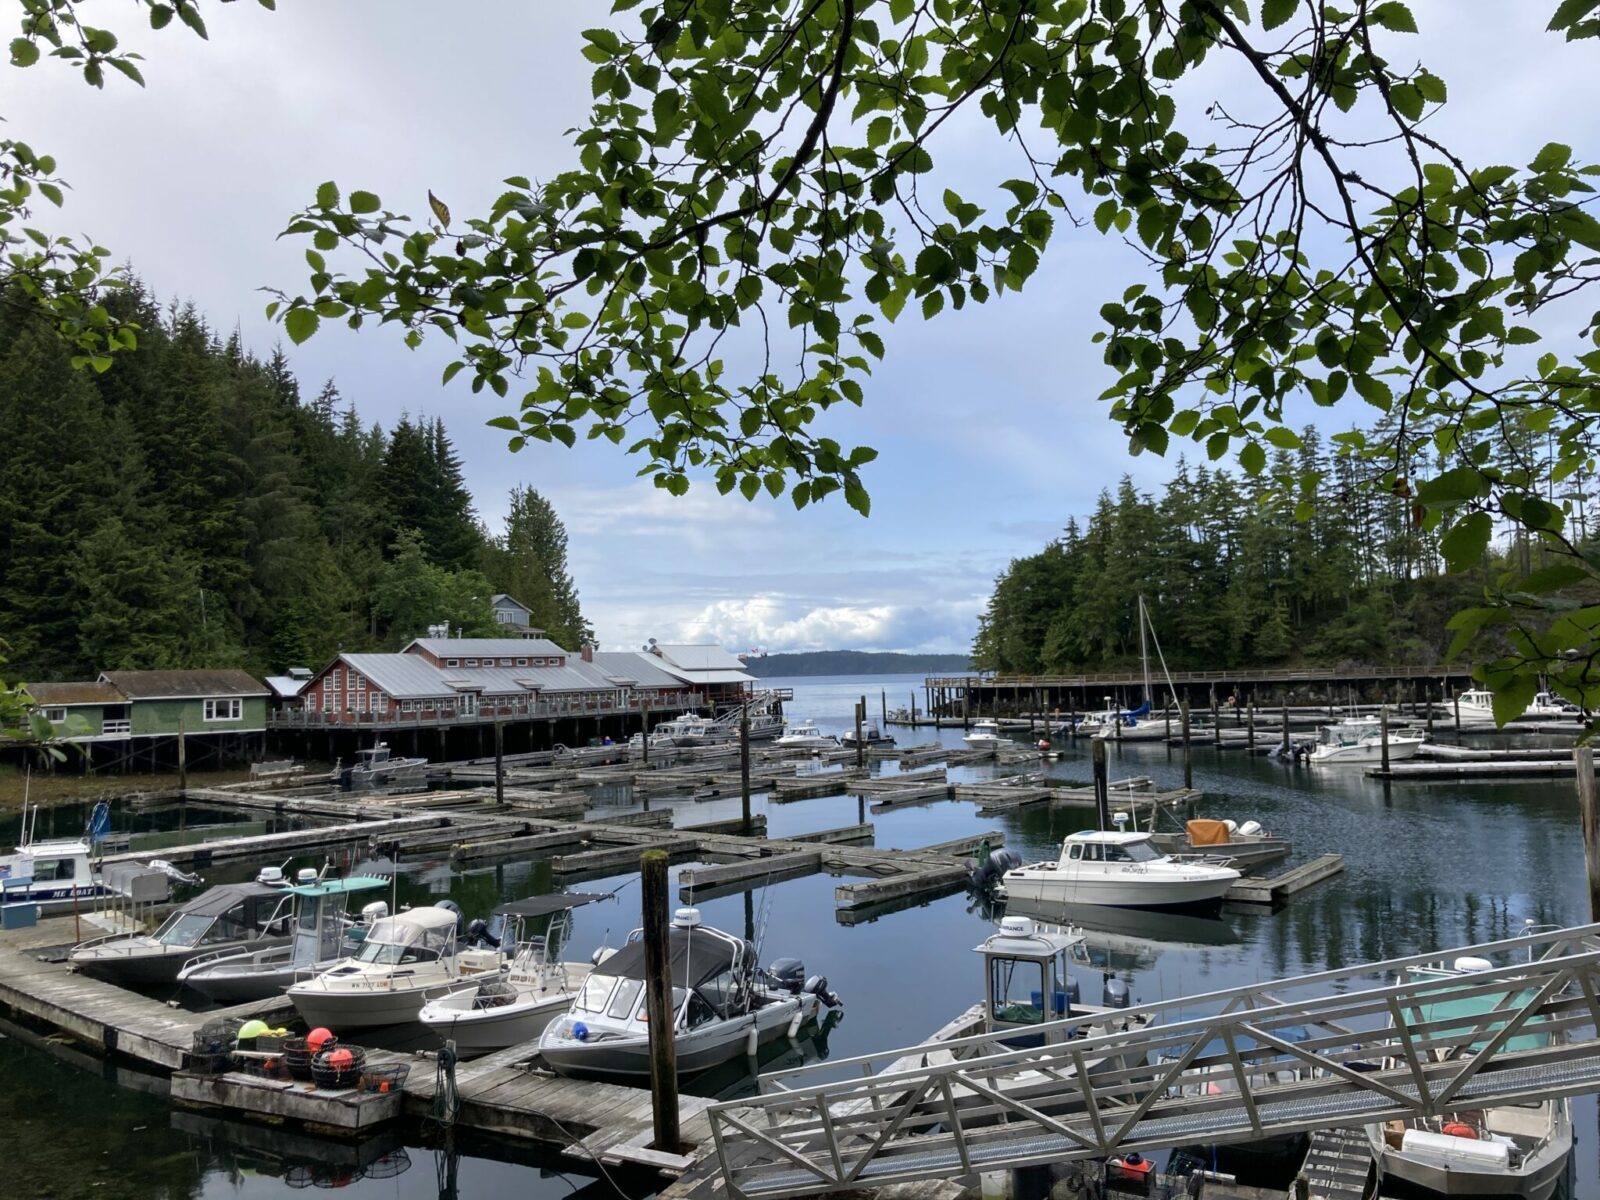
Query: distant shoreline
{"points": [[855, 662]]}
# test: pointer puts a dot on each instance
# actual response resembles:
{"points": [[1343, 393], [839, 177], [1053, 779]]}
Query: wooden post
{"points": [[183, 759], [644, 727], [966, 708], [913, 710], [1383, 732], [1216, 720], [499, 762], [883, 707], [1286, 725], [861, 746], [658, 1000], [1188, 759], [1583, 761], [1102, 800], [1250, 737], [1430, 710], [744, 767], [1457, 701]]}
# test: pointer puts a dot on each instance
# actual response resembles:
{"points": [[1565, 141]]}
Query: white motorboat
{"points": [[1361, 740], [1477, 706], [1121, 870], [377, 768], [690, 729], [1502, 1150], [536, 987], [806, 736], [986, 735], [386, 981], [1550, 707], [871, 736], [725, 1005], [232, 917], [323, 935]]}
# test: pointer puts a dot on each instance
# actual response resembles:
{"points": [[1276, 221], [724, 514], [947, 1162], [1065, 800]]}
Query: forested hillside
{"points": [[190, 506], [1231, 578]]}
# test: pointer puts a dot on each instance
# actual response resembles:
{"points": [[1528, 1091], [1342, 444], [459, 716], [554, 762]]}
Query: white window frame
{"points": [[452, 662], [382, 699], [408, 706], [56, 714], [361, 683], [472, 662], [223, 708]]}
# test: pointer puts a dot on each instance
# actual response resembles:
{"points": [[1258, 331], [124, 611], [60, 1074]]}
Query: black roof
{"points": [[542, 906], [219, 900], [696, 955]]}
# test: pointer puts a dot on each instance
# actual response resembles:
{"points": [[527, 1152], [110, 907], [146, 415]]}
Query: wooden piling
{"points": [[861, 746], [183, 759], [1188, 757], [1216, 720], [499, 762], [1286, 725], [1583, 763], [1383, 733], [644, 729], [1102, 801], [658, 1000], [1250, 736], [744, 767], [1457, 701], [883, 708]]}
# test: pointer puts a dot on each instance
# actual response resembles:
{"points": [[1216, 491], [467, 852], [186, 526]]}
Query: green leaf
{"points": [[1554, 156], [23, 52], [1252, 457], [1276, 12], [1393, 16], [1552, 578], [364, 202], [1511, 699], [328, 195], [300, 323], [1456, 486], [1464, 543], [1569, 12]]}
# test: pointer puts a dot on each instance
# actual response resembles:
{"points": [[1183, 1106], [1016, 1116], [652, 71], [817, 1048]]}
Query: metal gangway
{"points": [[1329, 1049]]}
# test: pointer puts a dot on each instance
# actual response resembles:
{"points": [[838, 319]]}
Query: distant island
{"points": [[855, 662]]}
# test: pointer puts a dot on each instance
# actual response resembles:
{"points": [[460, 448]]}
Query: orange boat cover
{"points": [[1208, 833]]}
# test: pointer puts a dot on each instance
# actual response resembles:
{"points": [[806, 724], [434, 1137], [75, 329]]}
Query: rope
{"points": [[446, 1097]]}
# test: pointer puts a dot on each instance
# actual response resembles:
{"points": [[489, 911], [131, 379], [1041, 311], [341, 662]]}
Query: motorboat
{"points": [[691, 729], [765, 725], [724, 1005], [377, 768], [1361, 740], [806, 736], [323, 934], [536, 986], [1500, 1150], [1549, 706], [387, 980], [1246, 846], [871, 736], [1477, 706], [231, 917], [986, 735], [1122, 870], [56, 874]]}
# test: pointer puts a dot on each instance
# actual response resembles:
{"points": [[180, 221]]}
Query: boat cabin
{"points": [[57, 869], [1109, 846], [1026, 981], [417, 935], [320, 925], [225, 915]]}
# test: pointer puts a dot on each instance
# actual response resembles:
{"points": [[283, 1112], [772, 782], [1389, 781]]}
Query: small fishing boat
{"points": [[387, 980], [871, 736], [377, 768], [690, 729], [1122, 870], [1245, 846], [536, 987], [806, 736], [1361, 740], [323, 934], [232, 917], [1489, 1150], [986, 735], [725, 1005]]}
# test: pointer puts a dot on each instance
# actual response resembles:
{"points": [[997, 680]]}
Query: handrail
{"points": [[1242, 675]]}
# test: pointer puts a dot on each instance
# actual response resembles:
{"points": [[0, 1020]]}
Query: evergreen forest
{"points": [[1233, 576], [190, 507]]}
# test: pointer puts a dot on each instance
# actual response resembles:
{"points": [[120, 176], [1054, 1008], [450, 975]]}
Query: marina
{"points": [[903, 873]]}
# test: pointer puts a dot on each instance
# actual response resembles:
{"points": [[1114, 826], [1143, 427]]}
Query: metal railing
{"points": [[1242, 675], [112, 728], [1259, 1066]]}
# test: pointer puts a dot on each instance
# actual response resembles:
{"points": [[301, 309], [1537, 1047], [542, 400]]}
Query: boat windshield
{"points": [[1138, 852], [387, 954], [596, 991], [1016, 991], [188, 929]]}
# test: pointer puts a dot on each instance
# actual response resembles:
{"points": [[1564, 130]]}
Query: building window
{"points": [[427, 706], [472, 662], [224, 710], [382, 700], [55, 715], [452, 662], [361, 683], [505, 662], [408, 706], [522, 662]]}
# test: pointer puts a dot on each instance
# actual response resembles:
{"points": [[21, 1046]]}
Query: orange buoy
{"points": [[318, 1038], [341, 1059], [1459, 1129]]}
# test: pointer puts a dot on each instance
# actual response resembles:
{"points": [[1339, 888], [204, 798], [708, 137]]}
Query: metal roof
{"points": [[411, 677], [700, 658], [183, 685], [286, 687], [334, 887], [64, 695], [488, 647], [644, 670]]}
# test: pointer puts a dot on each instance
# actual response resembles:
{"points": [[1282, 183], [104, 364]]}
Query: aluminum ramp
{"points": [[1355, 1057]]}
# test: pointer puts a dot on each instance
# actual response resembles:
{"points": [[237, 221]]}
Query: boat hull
{"points": [[141, 966], [1537, 1183], [364, 1008], [627, 1059], [1175, 895], [1399, 748], [485, 1030]]}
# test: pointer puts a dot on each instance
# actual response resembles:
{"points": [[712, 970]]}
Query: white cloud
{"points": [[777, 623]]}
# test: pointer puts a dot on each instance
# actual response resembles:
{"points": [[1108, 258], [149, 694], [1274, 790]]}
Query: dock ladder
{"points": [[1338, 1164]]}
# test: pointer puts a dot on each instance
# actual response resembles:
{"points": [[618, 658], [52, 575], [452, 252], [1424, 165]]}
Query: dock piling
{"points": [[658, 1000], [1583, 760], [861, 746], [1286, 725], [1188, 758], [1383, 733], [1102, 801], [499, 762], [744, 767]]}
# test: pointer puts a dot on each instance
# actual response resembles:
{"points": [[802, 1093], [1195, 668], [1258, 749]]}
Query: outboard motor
{"points": [[986, 872], [817, 986], [376, 911], [788, 973], [1250, 828], [1116, 994], [452, 906], [478, 934]]}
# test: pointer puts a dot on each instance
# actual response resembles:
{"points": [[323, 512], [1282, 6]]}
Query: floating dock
{"points": [[1278, 888]]}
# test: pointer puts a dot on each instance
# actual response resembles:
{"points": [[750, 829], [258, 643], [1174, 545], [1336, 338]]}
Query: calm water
{"points": [[1427, 866]]}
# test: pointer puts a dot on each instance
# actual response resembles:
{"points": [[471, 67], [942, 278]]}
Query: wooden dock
{"points": [[1278, 888]]}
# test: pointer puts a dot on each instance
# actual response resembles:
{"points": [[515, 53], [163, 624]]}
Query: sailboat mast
{"points": [[1144, 651]]}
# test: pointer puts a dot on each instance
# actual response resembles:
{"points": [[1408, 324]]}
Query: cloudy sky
{"points": [[987, 423]]}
